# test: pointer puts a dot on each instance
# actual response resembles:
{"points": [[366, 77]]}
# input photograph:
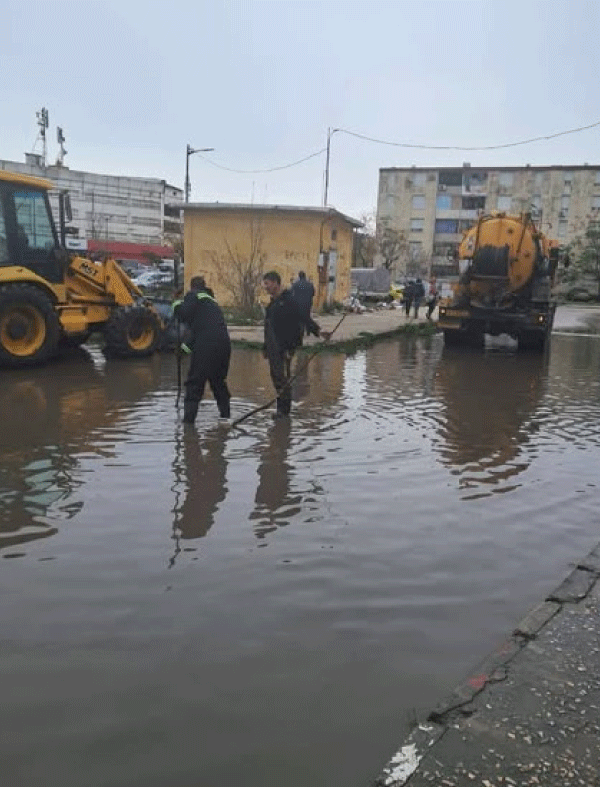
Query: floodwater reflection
{"points": [[275, 504], [51, 415], [489, 400], [200, 468]]}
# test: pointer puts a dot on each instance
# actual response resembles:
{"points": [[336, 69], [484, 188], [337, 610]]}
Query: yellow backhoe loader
{"points": [[50, 297]]}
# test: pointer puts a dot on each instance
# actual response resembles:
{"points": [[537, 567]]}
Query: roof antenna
{"points": [[42, 121], [60, 137]]}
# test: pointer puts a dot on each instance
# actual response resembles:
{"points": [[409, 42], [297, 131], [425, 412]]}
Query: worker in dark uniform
{"points": [[285, 324], [210, 347], [303, 293]]}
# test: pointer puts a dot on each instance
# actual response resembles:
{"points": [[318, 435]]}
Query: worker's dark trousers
{"points": [[210, 364], [280, 363], [306, 316]]}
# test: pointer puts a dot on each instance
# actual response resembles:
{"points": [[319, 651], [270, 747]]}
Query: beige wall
{"points": [[290, 241], [567, 197]]}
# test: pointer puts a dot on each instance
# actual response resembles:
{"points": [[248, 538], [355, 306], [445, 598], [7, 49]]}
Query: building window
{"points": [[539, 180], [598, 177], [444, 250], [596, 202], [418, 202], [475, 182], [416, 225], [450, 177], [414, 249], [505, 179], [473, 203], [333, 234], [390, 205], [446, 226], [564, 202], [443, 202], [562, 229], [419, 178], [505, 204], [392, 181], [465, 224]]}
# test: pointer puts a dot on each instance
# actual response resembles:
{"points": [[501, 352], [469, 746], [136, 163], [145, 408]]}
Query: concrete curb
{"points": [[349, 345], [574, 588]]}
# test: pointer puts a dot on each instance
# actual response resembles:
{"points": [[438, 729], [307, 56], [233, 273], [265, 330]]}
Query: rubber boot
{"points": [[190, 411]]}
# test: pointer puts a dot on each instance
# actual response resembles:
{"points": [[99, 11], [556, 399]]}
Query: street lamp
{"points": [[189, 151]]}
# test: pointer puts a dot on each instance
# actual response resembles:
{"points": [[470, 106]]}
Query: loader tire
{"points": [[132, 332], [29, 326]]}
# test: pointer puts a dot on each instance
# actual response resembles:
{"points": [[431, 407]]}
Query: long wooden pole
{"points": [[291, 380]]}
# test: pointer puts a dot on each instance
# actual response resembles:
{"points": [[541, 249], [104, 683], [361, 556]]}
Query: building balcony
{"points": [[457, 213], [447, 237]]}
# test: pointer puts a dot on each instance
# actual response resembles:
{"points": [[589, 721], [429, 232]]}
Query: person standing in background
{"points": [[303, 293]]}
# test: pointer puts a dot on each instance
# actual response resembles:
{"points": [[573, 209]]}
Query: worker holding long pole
{"points": [[285, 324]]}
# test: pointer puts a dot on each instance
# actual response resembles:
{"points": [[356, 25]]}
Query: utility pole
{"points": [[189, 151], [330, 133], [327, 168]]}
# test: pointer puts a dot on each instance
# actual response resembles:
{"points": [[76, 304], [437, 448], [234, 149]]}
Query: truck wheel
{"points": [[452, 338], [29, 326], [533, 341], [132, 331]]}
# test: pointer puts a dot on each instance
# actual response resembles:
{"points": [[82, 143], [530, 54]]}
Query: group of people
{"points": [[414, 294], [287, 319]]}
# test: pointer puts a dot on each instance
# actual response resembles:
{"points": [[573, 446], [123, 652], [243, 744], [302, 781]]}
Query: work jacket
{"points": [[303, 293], [202, 314], [285, 323]]}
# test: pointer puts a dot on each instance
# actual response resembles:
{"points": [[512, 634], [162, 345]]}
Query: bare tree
{"points": [[241, 272], [584, 253], [391, 245], [365, 243]]}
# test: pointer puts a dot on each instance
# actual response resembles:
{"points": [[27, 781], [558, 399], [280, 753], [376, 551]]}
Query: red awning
{"points": [[129, 251]]}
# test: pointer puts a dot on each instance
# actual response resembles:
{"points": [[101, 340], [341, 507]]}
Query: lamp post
{"points": [[189, 151]]}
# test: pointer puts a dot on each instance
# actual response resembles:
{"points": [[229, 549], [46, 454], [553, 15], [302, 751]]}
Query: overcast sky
{"points": [[132, 83]]}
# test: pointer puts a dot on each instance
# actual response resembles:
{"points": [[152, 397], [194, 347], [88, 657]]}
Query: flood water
{"points": [[271, 605]]}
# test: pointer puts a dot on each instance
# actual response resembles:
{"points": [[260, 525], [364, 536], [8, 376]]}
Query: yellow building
{"points": [[223, 242]]}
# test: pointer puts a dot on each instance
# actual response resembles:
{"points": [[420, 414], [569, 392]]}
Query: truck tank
{"points": [[507, 270]]}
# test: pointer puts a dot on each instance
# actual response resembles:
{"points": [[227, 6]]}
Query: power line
{"points": [[270, 169], [412, 145], [460, 147]]}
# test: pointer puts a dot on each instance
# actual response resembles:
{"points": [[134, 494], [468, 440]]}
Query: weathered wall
{"points": [[290, 241]]}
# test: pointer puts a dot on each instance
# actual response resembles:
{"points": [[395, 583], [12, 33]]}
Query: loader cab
{"points": [[27, 232]]}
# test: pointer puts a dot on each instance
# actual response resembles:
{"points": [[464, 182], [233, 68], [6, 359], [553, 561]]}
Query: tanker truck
{"points": [[507, 272]]}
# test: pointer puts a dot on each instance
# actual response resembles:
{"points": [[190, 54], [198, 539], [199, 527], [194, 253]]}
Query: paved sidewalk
{"points": [[530, 714], [375, 322]]}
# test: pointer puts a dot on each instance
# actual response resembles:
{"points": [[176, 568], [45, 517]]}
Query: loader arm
{"points": [[104, 282]]}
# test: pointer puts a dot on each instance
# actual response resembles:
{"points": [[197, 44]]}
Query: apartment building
{"points": [[433, 207], [110, 207]]}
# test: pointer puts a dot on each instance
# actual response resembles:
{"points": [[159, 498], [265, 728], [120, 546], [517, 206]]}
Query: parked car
{"points": [[151, 279], [133, 268]]}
